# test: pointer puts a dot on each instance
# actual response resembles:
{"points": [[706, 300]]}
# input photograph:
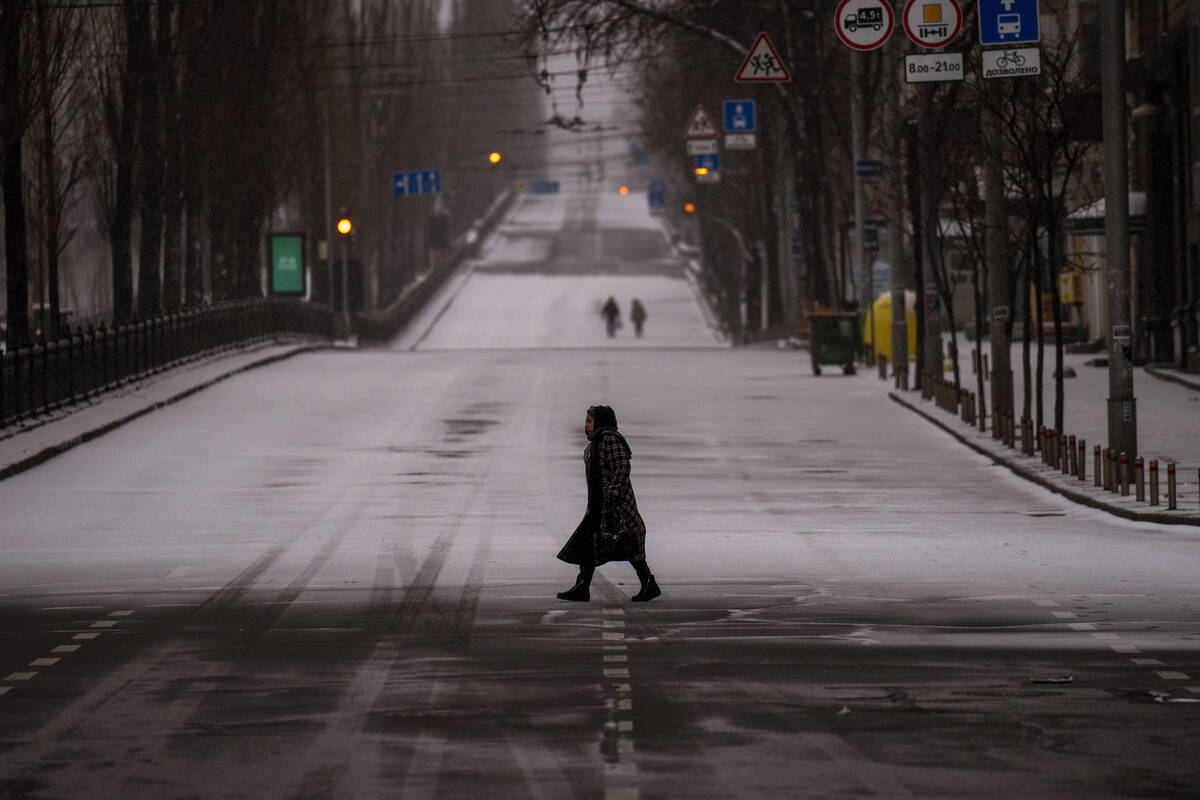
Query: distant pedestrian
{"points": [[612, 529], [637, 314], [612, 316]]}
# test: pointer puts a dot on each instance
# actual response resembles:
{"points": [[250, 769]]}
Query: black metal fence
{"points": [[88, 362]]}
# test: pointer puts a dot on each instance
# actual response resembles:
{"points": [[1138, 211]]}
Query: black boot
{"points": [[580, 591], [650, 588]]}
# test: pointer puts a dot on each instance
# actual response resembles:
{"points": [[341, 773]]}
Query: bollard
{"points": [[1068, 453], [1139, 471], [974, 360], [987, 373], [882, 361], [1154, 481], [981, 414], [1082, 460], [1096, 477], [1072, 457], [1123, 474], [1171, 486]]}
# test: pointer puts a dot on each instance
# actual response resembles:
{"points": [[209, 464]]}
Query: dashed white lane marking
{"points": [[1124, 648], [1045, 603], [123, 613], [613, 637], [1081, 626], [85, 637], [66, 648], [1193, 689], [104, 623], [21, 676], [72, 608], [4, 690], [1172, 675], [623, 770], [622, 793], [615, 659], [44, 662], [1105, 636], [1065, 614], [1147, 662], [179, 572], [616, 673]]}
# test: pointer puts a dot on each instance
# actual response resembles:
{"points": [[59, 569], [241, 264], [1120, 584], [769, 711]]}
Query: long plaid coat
{"points": [[611, 502]]}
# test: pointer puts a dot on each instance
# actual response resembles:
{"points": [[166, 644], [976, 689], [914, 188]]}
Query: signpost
{"points": [[762, 64], [1015, 63], [700, 125], [700, 147], [1008, 22], [287, 263], [414, 182], [932, 23], [657, 197], [740, 124], [864, 24]]}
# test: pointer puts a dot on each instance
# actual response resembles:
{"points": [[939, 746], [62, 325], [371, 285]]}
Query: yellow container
{"points": [[883, 324]]}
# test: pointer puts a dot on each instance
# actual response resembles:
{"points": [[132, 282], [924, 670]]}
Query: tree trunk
{"points": [[15, 249], [149, 299]]}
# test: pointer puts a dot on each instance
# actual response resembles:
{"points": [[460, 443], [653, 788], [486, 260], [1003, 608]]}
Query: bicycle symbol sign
{"points": [[1011, 63]]}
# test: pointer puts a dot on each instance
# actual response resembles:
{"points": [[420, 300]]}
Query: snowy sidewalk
{"points": [[32, 441], [1168, 430]]}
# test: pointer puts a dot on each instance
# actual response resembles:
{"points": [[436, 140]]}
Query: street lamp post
{"points": [[344, 227]]}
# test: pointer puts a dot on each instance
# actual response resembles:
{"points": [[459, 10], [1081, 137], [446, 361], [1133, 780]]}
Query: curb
{"points": [[47, 453], [1166, 376], [1033, 477]]}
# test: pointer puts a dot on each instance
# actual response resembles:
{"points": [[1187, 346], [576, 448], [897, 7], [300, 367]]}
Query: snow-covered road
{"points": [[334, 577]]}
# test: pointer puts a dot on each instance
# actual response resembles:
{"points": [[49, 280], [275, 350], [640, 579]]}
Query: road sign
{"points": [[287, 263], [933, 67], [932, 23], [865, 168], [1015, 63], [657, 198], [712, 163], [545, 187], [739, 116], [415, 182], [700, 125], [762, 64], [699, 147], [740, 141], [1008, 21], [864, 24]]}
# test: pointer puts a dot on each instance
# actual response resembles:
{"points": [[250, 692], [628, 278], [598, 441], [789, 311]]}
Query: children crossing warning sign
{"points": [[700, 125], [763, 64]]}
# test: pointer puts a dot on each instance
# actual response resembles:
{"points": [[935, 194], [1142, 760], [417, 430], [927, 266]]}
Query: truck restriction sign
{"points": [[864, 24]]}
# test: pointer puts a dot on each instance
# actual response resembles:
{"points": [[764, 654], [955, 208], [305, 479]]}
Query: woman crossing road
{"points": [[612, 529]]}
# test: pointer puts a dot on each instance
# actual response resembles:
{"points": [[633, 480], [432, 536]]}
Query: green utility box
{"points": [[833, 339]]}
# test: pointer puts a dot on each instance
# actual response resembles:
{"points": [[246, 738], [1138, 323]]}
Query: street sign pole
{"points": [[996, 257], [1122, 407], [895, 194], [856, 144]]}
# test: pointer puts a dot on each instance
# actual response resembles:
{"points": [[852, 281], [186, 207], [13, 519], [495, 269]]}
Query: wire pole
{"points": [[1122, 407]]}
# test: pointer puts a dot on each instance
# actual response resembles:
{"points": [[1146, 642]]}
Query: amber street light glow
{"points": [[690, 208], [624, 190], [343, 226], [494, 157], [701, 170]]}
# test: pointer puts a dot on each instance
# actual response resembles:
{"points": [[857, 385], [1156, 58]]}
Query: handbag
{"points": [[612, 546]]}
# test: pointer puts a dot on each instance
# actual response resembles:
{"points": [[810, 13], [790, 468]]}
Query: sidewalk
{"points": [[1168, 419], [33, 441]]}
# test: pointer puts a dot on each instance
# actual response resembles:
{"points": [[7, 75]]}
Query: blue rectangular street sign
{"points": [[413, 182], [739, 116], [545, 187], [711, 162], [656, 198], [1008, 21]]}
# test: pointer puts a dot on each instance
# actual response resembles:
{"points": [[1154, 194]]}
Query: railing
{"points": [[81, 365]]}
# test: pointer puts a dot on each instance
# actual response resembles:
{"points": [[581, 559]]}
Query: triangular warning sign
{"points": [[763, 64], [700, 126]]}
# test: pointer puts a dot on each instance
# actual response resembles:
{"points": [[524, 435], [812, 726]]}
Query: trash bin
{"points": [[833, 339]]}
